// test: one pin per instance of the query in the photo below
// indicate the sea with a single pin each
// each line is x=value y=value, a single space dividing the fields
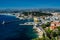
x=11 y=30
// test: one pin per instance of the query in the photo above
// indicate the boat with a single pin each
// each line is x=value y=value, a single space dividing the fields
x=3 y=22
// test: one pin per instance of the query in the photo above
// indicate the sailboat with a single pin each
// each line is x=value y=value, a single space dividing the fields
x=3 y=22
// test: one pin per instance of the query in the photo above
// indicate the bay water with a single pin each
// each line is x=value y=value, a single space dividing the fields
x=13 y=31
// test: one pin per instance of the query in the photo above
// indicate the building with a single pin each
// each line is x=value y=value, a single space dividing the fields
x=54 y=25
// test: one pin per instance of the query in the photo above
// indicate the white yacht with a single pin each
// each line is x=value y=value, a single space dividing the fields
x=3 y=22
x=28 y=23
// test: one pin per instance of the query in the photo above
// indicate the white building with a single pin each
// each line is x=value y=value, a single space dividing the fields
x=55 y=14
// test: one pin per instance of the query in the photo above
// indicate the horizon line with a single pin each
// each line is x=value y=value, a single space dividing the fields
x=29 y=8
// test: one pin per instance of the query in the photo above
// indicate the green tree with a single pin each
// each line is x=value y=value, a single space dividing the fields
x=43 y=26
x=48 y=32
x=47 y=24
x=58 y=30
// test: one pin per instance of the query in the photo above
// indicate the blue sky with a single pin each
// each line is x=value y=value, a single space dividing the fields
x=29 y=4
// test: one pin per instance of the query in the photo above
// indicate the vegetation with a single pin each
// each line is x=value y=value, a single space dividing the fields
x=36 y=13
x=51 y=34
x=45 y=25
